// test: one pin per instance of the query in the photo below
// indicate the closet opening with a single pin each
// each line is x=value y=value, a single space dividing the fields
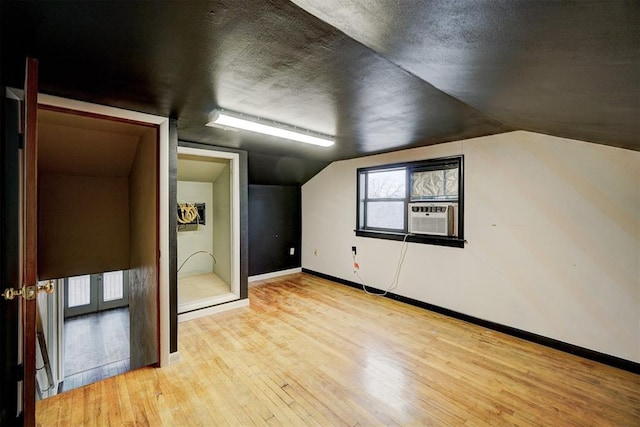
x=207 y=231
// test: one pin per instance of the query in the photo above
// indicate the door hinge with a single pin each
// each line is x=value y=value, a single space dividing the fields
x=22 y=108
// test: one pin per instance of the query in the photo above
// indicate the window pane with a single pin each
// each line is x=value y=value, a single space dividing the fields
x=386 y=184
x=79 y=291
x=361 y=191
x=435 y=185
x=385 y=215
x=112 y=286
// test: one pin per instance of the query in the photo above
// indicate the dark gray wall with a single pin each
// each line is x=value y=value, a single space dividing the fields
x=173 y=238
x=275 y=226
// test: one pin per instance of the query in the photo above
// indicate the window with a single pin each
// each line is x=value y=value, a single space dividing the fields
x=112 y=286
x=79 y=291
x=423 y=200
x=95 y=292
x=384 y=199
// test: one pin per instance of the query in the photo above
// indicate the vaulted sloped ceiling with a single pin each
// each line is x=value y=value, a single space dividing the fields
x=380 y=75
x=564 y=68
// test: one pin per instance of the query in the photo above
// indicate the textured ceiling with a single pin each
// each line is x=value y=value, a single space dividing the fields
x=380 y=75
x=565 y=68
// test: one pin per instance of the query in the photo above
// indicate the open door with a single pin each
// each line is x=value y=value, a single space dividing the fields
x=30 y=262
x=19 y=230
x=21 y=266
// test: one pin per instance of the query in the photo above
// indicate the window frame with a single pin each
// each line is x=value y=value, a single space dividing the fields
x=409 y=167
x=384 y=199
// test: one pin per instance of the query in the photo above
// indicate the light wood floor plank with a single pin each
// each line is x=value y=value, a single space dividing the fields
x=311 y=352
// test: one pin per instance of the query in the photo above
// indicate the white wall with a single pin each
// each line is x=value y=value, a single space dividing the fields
x=48 y=313
x=553 y=231
x=194 y=239
x=222 y=224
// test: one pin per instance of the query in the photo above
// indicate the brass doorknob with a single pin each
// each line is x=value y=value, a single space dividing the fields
x=48 y=287
x=29 y=292
x=11 y=293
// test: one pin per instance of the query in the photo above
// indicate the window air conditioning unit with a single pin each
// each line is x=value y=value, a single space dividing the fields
x=429 y=218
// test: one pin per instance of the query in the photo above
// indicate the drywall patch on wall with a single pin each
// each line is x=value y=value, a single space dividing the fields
x=553 y=230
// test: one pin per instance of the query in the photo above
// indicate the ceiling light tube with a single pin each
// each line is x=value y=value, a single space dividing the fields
x=223 y=118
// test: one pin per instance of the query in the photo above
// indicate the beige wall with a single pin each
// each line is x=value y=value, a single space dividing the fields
x=83 y=225
x=222 y=224
x=193 y=239
x=553 y=231
x=143 y=276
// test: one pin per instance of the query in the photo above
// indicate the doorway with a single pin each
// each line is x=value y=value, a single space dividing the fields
x=207 y=230
x=98 y=236
x=96 y=328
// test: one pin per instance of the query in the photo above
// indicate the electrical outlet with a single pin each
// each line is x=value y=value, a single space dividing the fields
x=292 y=251
x=353 y=250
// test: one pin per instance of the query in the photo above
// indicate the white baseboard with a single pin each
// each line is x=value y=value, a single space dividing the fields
x=274 y=274
x=174 y=358
x=213 y=310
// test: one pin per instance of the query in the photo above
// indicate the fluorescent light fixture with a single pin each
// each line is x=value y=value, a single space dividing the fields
x=223 y=118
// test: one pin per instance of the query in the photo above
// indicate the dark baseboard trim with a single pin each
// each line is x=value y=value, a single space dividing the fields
x=586 y=353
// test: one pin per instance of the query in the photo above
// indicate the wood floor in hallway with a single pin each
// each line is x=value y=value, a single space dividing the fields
x=96 y=347
x=311 y=352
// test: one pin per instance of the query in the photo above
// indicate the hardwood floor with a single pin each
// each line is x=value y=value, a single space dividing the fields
x=96 y=347
x=311 y=352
